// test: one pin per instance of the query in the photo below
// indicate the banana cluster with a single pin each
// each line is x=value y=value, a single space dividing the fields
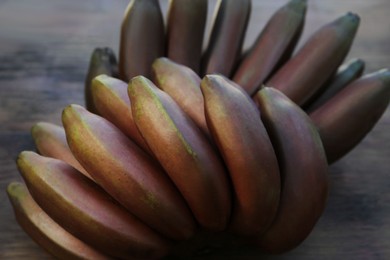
x=179 y=149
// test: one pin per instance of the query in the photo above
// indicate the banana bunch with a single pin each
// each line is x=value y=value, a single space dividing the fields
x=179 y=149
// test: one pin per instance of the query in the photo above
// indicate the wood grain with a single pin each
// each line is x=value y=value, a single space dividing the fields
x=44 y=53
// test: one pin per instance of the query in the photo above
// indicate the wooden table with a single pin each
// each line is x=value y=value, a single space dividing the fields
x=44 y=51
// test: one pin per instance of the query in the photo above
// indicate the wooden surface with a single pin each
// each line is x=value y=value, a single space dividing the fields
x=44 y=51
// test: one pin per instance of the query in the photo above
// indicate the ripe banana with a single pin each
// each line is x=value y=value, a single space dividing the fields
x=91 y=214
x=185 y=30
x=274 y=44
x=227 y=37
x=142 y=38
x=215 y=160
x=346 y=118
x=50 y=141
x=303 y=75
x=184 y=152
x=127 y=173
x=112 y=102
x=102 y=61
x=303 y=169
x=183 y=85
x=347 y=73
x=235 y=125
x=44 y=231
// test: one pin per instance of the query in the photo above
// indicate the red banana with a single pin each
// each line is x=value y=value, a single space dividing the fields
x=112 y=102
x=44 y=231
x=235 y=125
x=184 y=152
x=345 y=119
x=102 y=61
x=347 y=73
x=50 y=141
x=303 y=170
x=227 y=37
x=127 y=173
x=142 y=38
x=183 y=85
x=185 y=30
x=276 y=41
x=86 y=211
x=304 y=74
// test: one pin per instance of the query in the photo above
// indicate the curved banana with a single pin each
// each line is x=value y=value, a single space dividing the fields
x=50 y=140
x=347 y=73
x=304 y=74
x=142 y=38
x=184 y=152
x=235 y=125
x=227 y=36
x=185 y=30
x=346 y=118
x=91 y=214
x=44 y=231
x=127 y=173
x=102 y=61
x=112 y=102
x=303 y=169
x=275 y=43
x=183 y=85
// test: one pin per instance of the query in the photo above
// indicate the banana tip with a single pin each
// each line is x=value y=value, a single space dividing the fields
x=211 y=80
x=21 y=158
x=385 y=70
x=15 y=188
x=385 y=76
x=160 y=66
x=140 y=84
x=104 y=54
x=69 y=111
x=36 y=128
x=161 y=61
x=139 y=78
x=353 y=17
x=297 y=5
x=99 y=81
